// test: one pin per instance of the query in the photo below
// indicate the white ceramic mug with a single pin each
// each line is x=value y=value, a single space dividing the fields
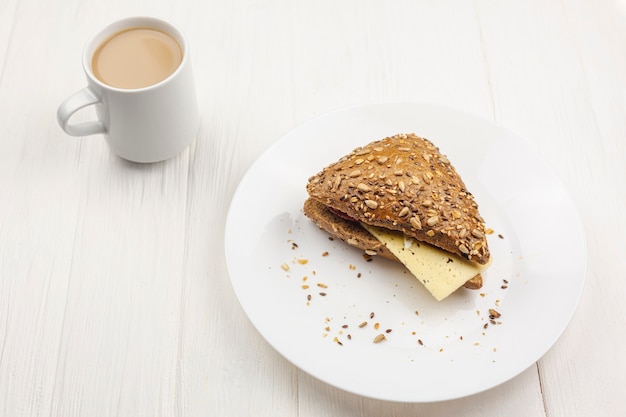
x=146 y=124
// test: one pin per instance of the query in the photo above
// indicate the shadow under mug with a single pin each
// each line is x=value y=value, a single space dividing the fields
x=148 y=124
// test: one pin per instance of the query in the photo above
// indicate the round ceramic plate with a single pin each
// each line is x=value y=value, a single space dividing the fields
x=321 y=304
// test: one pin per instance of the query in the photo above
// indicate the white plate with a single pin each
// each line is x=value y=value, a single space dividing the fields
x=541 y=254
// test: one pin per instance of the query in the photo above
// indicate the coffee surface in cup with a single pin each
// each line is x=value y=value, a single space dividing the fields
x=136 y=58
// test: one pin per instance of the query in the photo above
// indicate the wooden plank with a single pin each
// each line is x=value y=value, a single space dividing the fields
x=246 y=102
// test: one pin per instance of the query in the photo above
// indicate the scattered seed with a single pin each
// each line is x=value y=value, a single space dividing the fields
x=371 y=315
x=319 y=284
x=323 y=294
x=388 y=331
x=419 y=341
x=379 y=338
x=363 y=324
x=285 y=267
x=494 y=313
x=376 y=326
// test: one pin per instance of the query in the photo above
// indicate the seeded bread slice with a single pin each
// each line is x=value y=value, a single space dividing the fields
x=404 y=183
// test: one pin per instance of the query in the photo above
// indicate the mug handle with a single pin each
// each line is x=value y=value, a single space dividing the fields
x=83 y=98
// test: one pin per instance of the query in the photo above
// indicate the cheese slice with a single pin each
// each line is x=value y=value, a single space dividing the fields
x=441 y=272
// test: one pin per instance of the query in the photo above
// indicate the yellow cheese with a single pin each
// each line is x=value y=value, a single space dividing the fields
x=441 y=272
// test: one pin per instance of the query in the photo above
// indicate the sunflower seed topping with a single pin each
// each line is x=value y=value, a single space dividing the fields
x=371 y=204
x=363 y=187
x=432 y=221
x=404 y=212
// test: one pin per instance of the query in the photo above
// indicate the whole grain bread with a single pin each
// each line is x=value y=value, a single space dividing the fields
x=404 y=183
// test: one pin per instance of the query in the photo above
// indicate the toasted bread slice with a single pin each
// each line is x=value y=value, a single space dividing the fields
x=404 y=183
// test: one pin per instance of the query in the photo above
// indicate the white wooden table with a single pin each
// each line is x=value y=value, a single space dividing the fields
x=114 y=293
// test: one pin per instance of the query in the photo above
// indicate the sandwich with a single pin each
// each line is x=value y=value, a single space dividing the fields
x=401 y=199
